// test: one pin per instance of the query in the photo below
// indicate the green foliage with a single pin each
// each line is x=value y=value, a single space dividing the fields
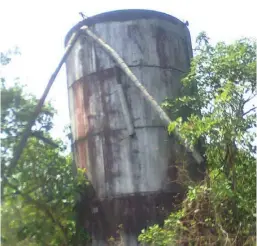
x=38 y=201
x=166 y=235
x=218 y=93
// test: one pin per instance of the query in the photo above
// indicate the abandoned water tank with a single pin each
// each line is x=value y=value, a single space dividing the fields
x=157 y=48
x=134 y=176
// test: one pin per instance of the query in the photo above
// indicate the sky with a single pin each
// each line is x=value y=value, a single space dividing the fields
x=38 y=28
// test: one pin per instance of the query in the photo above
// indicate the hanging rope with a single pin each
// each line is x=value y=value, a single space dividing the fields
x=121 y=63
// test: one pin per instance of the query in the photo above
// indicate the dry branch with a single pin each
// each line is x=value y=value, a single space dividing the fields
x=27 y=131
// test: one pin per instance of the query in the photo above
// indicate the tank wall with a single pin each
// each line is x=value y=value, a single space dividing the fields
x=158 y=53
x=139 y=42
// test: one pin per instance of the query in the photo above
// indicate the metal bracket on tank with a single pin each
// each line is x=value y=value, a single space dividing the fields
x=124 y=104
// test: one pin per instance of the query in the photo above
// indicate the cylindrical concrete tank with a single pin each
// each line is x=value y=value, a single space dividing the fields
x=157 y=48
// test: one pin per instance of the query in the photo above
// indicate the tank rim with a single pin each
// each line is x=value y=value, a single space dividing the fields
x=122 y=15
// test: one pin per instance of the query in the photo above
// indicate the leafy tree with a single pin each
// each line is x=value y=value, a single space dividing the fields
x=219 y=91
x=38 y=199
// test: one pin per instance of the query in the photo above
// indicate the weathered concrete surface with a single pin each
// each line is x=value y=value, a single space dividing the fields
x=158 y=51
x=124 y=164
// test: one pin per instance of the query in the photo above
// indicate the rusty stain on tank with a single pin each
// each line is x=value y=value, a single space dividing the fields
x=107 y=147
x=160 y=47
x=79 y=109
x=136 y=35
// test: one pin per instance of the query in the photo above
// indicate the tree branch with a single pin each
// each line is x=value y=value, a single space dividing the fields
x=41 y=207
x=27 y=131
x=249 y=99
x=39 y=135
x=247 y=112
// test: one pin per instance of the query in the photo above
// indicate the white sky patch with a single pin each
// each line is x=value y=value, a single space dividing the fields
x=38 y=28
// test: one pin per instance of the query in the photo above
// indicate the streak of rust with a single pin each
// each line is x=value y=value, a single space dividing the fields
x=100 y=77
x=79 y=122
x=91 y=145
x=136 y=35
x=79 y=109
x=83 y=91
x=161 y=39
x=81 y=153
x=107 y=146
x=188 y=57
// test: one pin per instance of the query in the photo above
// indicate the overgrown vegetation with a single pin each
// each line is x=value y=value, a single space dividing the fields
x=219 y=90
x=38 y=198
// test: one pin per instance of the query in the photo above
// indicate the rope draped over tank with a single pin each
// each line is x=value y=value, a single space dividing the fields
x=84 y=30
x=124 y=67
